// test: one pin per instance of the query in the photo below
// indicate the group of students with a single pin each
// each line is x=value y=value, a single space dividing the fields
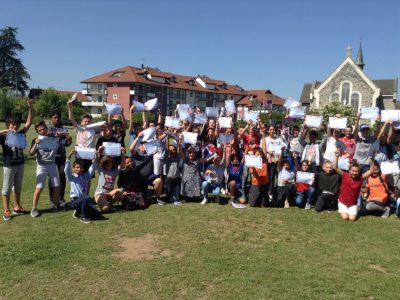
x=210 y=165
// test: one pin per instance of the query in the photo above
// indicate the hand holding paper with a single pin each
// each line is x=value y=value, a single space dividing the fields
x=112 y=149
x=225 y=122
x=230 y=106
x=139 y=106
x=114 y=109
x=200 y=118
x=390 y=115
x=305 y=177
x=172 y=122
x=151 y=104
x=313 y=121
x=390 y=167
x=337 y=123
x=85 y=153
x=297 y=112
x=212 y=112
x=343 y=163
x=369 y=113
x=189 y=137
x=253 y=161
x=251 y=116
x=148 y=133
x=15 y=139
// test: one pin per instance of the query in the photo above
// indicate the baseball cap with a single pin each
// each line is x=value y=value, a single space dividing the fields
x=364 y=126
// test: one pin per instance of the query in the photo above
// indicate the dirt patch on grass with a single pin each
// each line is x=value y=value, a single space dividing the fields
x=142 y=248
x=378 y=268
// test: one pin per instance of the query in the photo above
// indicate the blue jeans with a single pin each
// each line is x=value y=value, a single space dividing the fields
x=85 y=208
x=206 y=187
x=301 y=195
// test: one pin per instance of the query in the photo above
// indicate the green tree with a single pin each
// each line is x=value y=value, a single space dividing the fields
x=13 y=73
x=8 y=104
x=49 y=100
x=335 y=108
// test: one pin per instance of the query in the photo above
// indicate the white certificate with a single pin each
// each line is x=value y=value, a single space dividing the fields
x=251 y=115
x=152 y=147
x=305 y=177
x=85 y=153
x=113 y=109
x=225 y=122
x=291 y=103
x=151 y=104
x=200 y=118
x=190 y=137
x=313 y=121
x=230 y=106
x=369 y=113
x=212 y=112
x=183 y=106
x=338 y=123
x=286 y=175
x=139 y=106
x=297 y=112
x=148 y=133
x=276 y=148
x=48 y=143
x=184 y=115
x=390 y=115
x=253 y=161
x=343 y=163
x=390 y=167
x=112 y=149
x=225 y=138
x=172 y=122
x=15 y=139
x=95 y=126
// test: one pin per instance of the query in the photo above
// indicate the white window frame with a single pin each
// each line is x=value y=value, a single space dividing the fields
x=359 y=99
x=115 y=96
x=350 y=91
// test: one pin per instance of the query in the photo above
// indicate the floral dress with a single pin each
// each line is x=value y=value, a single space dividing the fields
x=191 y=180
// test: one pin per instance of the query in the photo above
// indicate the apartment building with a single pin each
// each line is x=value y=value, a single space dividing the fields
x=129 y=83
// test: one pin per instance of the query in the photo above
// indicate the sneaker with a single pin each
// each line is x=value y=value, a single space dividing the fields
x=34 y=213
x=286 y=204
x=18 y=212
x=205 y=200
x=160 y=202
x=75 y=214
x=386 y=212
x=270 y=196
x=308 y=206
x=177 y=203
x=85 y=220
x=7 y=215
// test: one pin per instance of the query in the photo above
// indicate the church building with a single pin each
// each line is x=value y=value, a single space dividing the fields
x=349 y=84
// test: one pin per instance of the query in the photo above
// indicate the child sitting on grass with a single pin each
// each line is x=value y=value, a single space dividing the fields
x=79 y=180
x=328 y=186
x=13 y=165
x=46 y=167
x=350 y=189
x=377 y=189
x=304 y=190
x=105 y=194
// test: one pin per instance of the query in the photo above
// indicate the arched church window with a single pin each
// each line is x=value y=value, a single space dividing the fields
x=355 y=99
x=345 y=92
x=335 y=97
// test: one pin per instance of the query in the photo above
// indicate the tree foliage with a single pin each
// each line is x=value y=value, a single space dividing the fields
x=333 y=109
x=13 y=73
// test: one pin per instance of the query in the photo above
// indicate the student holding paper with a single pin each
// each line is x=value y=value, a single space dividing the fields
x=106 y=136
x=79 y=197
x=173 y=172
x=118 y=128
x=349 y=143
x=134 y=128
x=259 y=180
x=85 y=137
x=350 y=189
x=286 y=188
x=46 y=167
x=65 y=140
x=252 y=139
x=105 y=194
x=331 y=143
x=312 y=152
x=378 y=191
x=304 y=190
x=382 y=150
x=214 y=176
x=13 y=165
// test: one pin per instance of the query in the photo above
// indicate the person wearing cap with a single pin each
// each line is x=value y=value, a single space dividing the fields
x=363 y=145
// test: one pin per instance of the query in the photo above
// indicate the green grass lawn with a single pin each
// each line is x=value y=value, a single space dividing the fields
x=194 y=251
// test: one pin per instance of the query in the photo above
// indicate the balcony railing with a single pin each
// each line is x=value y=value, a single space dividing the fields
x=94 y=91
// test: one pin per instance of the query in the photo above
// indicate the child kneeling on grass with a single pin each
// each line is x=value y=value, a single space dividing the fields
x=105 y=194
x=350 y=189
x=79 y=181
x=328 y=186
x=378 y=192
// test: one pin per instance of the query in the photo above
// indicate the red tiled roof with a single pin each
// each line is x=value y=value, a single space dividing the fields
x=136 y=75
x=261 y=96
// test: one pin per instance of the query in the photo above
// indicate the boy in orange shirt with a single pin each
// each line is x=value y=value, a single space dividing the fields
x=259 y=181
x=378 y=192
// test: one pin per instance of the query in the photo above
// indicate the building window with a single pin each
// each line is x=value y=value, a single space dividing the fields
x=191 y=94
x=117 y=74
x=335 y=97
x=355 y=100
x=115 y=84
x=346 y=93
x=115 y=96
x=99 y=111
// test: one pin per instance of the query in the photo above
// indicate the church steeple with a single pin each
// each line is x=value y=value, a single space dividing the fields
x=360 y=60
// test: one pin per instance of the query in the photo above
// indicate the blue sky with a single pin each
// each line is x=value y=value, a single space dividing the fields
x=279 y=45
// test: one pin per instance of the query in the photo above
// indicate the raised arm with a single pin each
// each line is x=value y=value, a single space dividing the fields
x=122 y=164
x=131 y=112
x=144 y=119
x=159 y=119
x=264 y=144
x=383 y=129
x=33 y=149
x=355 y=132
x=132 y=148
x=369 y=172
x=296 y=161
x=335 y=164
x=28 y=122
x=391 y=135
x=181 y=153
x=280 y=159
x=123 y=120
x=71 y=115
